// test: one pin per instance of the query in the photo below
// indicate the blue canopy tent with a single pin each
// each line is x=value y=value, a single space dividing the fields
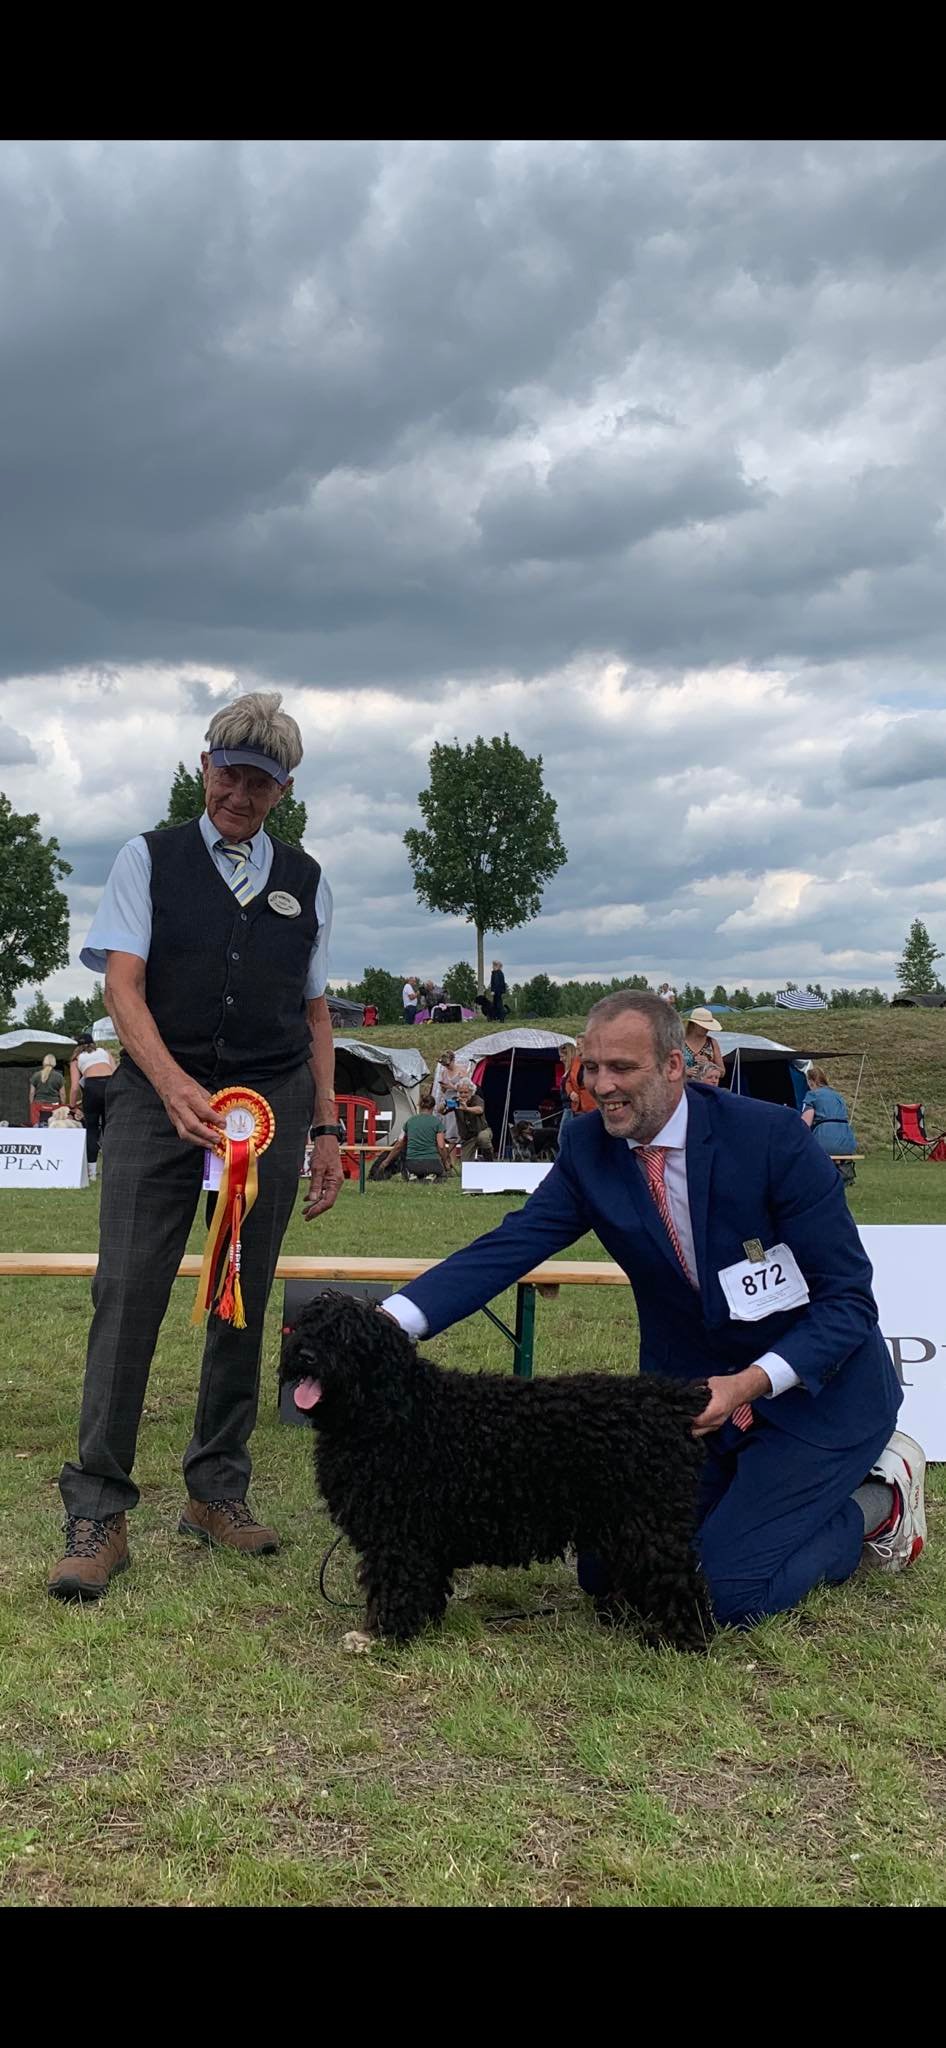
x=770 y=1071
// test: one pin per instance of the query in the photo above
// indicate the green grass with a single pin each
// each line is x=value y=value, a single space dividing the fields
x=200 y=1738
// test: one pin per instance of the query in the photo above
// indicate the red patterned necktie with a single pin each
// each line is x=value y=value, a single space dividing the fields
x=654 y=1161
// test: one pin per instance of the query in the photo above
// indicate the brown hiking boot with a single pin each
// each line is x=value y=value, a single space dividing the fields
x=95 y=1551
x=228 y=1522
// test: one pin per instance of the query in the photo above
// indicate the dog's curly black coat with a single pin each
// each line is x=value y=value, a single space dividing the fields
x=427 y=1472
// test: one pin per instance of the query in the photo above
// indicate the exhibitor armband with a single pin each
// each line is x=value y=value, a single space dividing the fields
x=324 y=1131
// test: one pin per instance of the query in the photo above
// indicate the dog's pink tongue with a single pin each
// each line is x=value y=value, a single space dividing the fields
x=307 y=1393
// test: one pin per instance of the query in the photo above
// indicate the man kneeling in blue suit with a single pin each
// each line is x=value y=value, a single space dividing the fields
x=733 y=1229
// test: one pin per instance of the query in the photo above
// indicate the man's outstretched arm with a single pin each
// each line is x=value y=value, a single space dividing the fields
x=555 y=1216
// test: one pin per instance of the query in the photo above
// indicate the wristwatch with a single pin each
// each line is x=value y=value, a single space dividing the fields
x=324 y=1131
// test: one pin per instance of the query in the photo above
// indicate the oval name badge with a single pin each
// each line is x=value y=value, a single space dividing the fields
x=286 y=905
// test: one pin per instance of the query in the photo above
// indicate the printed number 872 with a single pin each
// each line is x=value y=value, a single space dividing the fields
x=750 y=1280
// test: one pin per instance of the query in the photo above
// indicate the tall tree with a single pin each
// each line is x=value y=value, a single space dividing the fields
x=34 y=913
x=539 y=997
x=77 y=1016
x=186 y=800
x=38 y=1015
x=916 y=970
x=491 y=840
x=382 y=989
x=459 y=984
x=287 y=820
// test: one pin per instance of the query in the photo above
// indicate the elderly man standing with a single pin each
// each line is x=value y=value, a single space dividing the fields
x=213 y=939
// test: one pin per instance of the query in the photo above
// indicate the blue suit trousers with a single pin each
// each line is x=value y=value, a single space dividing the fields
x=774 y=1520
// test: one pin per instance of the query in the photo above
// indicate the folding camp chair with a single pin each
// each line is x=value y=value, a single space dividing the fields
x=909 y=1132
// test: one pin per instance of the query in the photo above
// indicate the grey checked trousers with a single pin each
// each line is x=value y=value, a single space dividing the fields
x=150 y=1192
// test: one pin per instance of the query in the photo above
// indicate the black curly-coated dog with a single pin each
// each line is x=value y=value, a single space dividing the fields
x=427 y=1472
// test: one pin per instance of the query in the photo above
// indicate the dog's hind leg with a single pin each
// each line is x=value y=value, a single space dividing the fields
x=404 y=1594
x=659 y=1589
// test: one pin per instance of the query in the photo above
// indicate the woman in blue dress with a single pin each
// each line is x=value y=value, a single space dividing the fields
x=826 y=1113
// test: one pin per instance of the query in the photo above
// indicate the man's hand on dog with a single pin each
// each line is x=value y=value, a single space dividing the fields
x=727 y=1394
x=325 y=1177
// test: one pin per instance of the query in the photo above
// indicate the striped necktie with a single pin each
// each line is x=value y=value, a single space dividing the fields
x=240 y=877
x=654 y=1161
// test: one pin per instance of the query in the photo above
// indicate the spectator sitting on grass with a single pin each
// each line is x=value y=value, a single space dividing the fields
x=424 y=1153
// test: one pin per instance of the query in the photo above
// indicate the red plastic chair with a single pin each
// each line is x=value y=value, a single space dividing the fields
x=909 y=1132
x=359 y=1130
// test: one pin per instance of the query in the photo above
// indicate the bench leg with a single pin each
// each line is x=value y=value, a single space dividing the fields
x=524 y=1341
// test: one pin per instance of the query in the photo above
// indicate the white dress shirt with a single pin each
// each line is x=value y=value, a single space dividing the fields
x=122 y=922
x=673 y=1138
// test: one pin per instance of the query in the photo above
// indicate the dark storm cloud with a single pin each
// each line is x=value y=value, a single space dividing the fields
x=310 y=408
x=14 y=747
x=633 y=450
x=910 y=750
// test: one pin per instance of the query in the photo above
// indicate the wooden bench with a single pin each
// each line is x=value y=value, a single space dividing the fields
x=543 y=1280
x=362 y=1151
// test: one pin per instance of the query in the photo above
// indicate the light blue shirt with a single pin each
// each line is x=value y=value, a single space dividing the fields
x=122 y=922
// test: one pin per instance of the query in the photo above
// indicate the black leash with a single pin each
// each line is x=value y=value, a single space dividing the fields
x=490 y=1621
x=323 y=1589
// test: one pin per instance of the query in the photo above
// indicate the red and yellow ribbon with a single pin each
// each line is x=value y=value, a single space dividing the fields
x=249 y=1129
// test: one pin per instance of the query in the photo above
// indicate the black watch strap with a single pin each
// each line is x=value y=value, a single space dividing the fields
x=324 y=1131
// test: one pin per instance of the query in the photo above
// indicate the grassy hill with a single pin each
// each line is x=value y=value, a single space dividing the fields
x=905 y=1054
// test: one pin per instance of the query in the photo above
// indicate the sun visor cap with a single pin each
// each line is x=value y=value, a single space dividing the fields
x=247 y=757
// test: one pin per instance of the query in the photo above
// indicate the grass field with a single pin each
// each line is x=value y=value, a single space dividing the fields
x=199 y=1737
x=906 y=1054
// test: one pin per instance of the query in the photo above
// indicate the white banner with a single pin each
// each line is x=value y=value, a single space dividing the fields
x=501 y=1176
x=909 y=1261
x=42 y=1158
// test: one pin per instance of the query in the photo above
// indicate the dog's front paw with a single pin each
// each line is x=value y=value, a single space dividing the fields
x=357 y=1642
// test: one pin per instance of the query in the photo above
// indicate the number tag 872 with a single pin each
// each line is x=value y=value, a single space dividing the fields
x=755 y=1288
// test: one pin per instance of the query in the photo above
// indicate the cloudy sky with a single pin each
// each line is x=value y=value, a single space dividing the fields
x=633 y=450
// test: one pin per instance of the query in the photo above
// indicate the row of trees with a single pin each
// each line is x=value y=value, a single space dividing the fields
x=77 y=1015
x=489 y=843
x=543 y=997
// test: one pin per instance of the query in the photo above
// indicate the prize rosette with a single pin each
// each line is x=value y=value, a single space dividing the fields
x=250 y=1127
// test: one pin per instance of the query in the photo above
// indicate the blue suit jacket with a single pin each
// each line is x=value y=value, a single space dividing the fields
x=753 y=1171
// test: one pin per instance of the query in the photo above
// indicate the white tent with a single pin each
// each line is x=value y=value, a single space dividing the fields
x=104 y=1032
x=21 y=1052
x=523 y=1038
x=389 y=1075
x=523 y=1041
x=28 y=1048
